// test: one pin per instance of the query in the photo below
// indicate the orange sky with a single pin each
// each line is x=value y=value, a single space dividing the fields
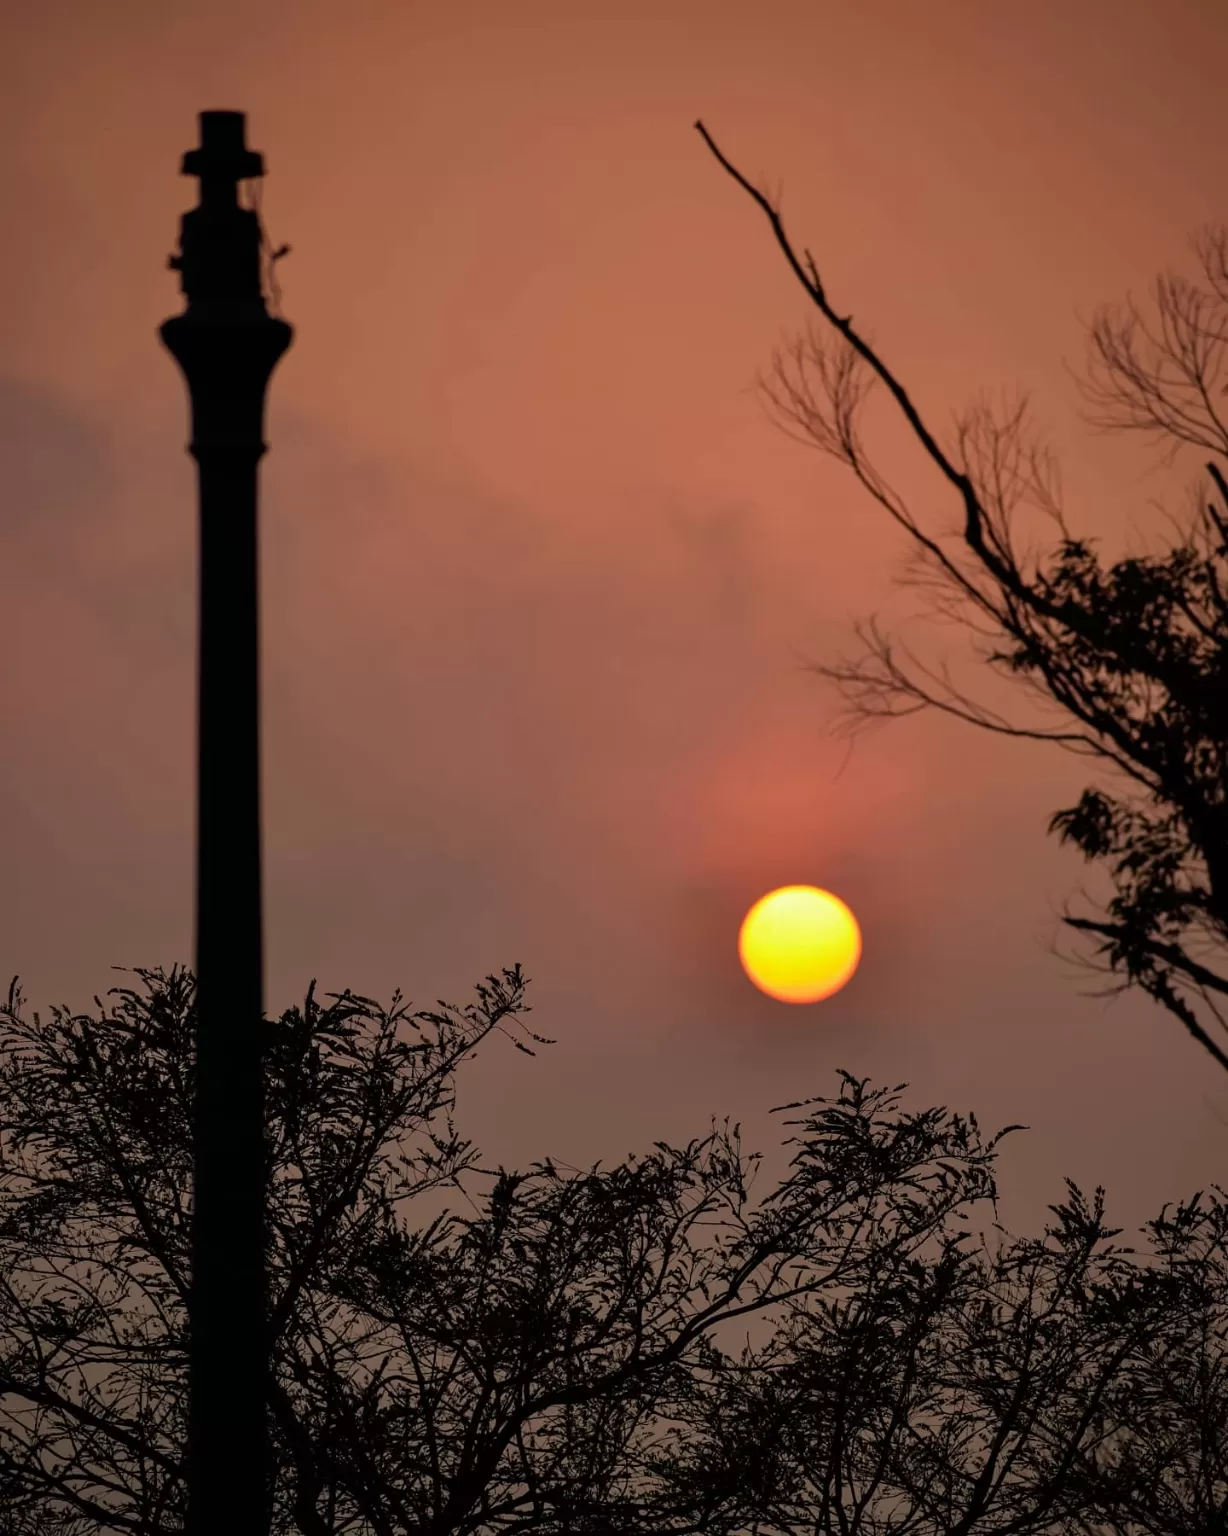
x=539 y=574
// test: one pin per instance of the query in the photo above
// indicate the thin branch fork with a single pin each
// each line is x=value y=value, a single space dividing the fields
x=808 y=276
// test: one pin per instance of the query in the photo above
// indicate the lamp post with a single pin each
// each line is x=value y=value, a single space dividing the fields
x=227 y=345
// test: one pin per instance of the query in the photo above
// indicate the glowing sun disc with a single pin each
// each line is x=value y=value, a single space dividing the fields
x=799 y=944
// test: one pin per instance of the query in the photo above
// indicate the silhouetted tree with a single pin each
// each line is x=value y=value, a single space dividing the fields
x=972 y=1392
x=1163 y=1471
x=1129 y=658
x=433 y=1373
x=551 y=1356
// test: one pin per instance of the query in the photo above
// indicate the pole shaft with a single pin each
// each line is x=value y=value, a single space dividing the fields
x=227 y=1437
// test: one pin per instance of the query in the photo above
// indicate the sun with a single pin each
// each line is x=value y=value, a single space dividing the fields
x=799 y=944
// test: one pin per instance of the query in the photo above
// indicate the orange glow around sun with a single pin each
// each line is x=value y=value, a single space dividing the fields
x=799 y=944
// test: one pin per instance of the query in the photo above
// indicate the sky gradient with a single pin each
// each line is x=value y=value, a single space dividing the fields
x=541 y=578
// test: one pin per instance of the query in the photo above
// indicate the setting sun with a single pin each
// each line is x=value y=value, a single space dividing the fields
x=799 y=944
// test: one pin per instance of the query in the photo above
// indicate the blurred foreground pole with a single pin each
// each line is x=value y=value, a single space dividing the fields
x=227 y=345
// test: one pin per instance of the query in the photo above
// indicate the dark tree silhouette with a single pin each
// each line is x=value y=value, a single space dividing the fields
x=433 y=1372
x=971 y=1389
x=1164 y=1469
x=1128 y=660
x=554 y=1355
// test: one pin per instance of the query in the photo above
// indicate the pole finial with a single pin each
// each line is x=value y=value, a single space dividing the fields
x=223 y=150
x=219 y=241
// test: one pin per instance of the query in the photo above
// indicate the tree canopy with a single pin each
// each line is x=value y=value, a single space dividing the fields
x=1127 y=658
x=467 y=1349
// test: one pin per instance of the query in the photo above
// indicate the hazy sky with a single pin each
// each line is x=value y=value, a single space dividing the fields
x=540 y=576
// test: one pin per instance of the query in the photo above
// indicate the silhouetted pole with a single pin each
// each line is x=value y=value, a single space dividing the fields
x=227 y=345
